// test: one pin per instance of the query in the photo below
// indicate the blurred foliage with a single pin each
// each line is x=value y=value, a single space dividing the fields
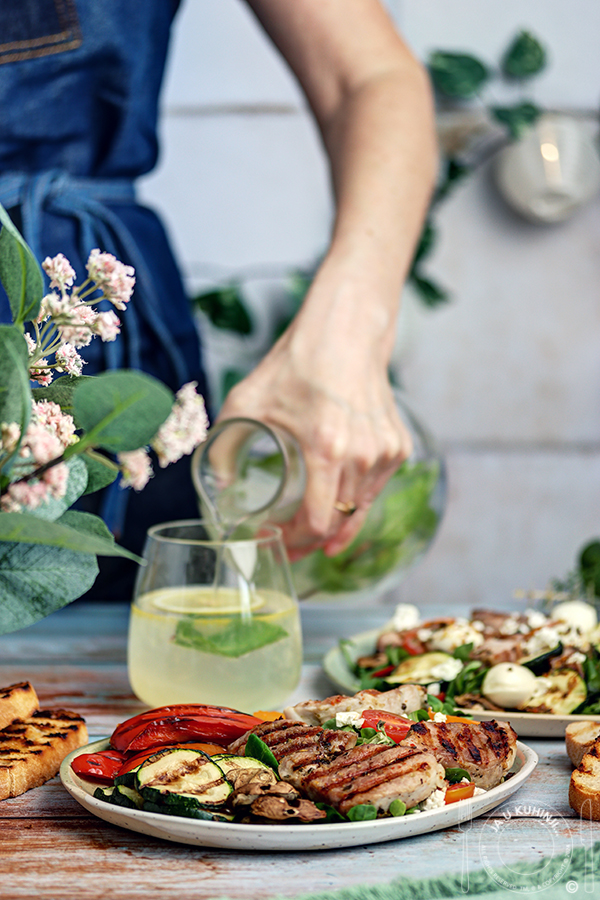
x=458 y=79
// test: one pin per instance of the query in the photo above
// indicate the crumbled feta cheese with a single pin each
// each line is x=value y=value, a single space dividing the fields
x=541 y=641
x=455 y=635
x=434 y=801
x=440 y=717
x=577 y=658
x=424 y=634
x=405 y=616
x=535 y=618
x=478 y=791
x=571 y=636
x=435 y=689
x=477 y=625
x=447 y=670
x=349 y=718
x=510 y=626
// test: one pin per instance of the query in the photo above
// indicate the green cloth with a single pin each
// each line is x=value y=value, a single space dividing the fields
x=546 y=879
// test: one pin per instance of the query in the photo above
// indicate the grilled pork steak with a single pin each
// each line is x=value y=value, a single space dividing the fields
x=401 y=700
x=284 y=737
x=486 y=750
x=392 y=773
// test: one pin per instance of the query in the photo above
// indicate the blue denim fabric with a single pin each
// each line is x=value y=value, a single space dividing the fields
x=79 y=90
x=77 y=127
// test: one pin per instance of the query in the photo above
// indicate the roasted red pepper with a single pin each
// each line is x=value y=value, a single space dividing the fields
x=102 y=766
x=177 y=724
x=396 y=727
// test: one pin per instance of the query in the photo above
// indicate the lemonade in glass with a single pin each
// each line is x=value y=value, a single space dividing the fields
x=214 y=621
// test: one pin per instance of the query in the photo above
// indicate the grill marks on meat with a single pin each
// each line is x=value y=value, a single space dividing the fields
x=326 y=765
x=486 y=750
x=283 y=737
x=379 y=777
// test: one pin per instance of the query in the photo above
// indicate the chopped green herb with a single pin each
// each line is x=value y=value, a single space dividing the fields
x=397 y=808
x=362 y=813
x=257 y=749
x=237 y=639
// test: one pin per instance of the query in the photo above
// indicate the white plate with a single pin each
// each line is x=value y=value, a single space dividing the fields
x=291 y=837
x=525 y=724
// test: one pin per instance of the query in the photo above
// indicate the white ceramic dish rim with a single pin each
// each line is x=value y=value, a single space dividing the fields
x=525 y=724
x=288 y=837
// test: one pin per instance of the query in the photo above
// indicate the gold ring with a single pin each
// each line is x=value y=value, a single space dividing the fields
x=346 y=508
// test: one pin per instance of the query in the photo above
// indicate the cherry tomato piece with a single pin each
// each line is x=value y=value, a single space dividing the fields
x=396 y=727
x=459 y=791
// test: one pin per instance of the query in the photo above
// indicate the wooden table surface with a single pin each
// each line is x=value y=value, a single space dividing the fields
x=50 y=847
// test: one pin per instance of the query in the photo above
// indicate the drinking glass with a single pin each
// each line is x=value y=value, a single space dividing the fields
x=214 y=621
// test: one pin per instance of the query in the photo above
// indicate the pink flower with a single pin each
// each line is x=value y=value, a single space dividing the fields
x=114 y=279
x=24 y=494
x=77 y=329
x=31 y=344
x=60 y=272
x=41 y=373
x=44 y=445
x=51 y=415
x=51 y=305
x=184 y=429
x=107 y=325
x=56 y=480
x=68 y=360
x=136 y=468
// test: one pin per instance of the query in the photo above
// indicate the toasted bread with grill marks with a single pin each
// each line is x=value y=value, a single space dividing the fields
x=17 y=701
x=32 y=749
x=584 y=787
x=579 y=738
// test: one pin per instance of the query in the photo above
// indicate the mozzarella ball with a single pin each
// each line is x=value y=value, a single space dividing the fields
x=509 y=685
x=577 y=613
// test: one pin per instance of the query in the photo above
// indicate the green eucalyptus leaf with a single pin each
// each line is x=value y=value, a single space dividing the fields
x=525 y=57
x=589 y=566
x=426 y=242
x=78 y=531
x=120 y=410
x=37 y=579
x=61 y=391
x=100 y=470
x=15 y=394
x=457 y=75
x=225 y=308
x=430 y=293
x=20 y=273
x=517 y=118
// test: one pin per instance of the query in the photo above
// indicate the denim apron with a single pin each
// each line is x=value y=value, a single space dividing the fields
x=79 y=89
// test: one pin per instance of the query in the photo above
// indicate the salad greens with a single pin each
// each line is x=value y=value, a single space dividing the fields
x=400 y=525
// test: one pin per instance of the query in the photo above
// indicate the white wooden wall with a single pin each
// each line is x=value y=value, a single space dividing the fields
x=507 y=375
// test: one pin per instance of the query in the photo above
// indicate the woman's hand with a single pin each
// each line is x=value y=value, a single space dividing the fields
x=326 y=382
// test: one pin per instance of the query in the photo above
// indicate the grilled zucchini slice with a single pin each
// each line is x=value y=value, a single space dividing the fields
x=241 y=769
x=183 y=779
x=419 y=669
x=557 y=692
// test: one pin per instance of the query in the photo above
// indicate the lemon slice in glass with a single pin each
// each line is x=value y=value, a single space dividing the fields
x=203 y=601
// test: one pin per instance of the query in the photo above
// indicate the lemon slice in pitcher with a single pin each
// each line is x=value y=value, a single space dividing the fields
x=203 y=601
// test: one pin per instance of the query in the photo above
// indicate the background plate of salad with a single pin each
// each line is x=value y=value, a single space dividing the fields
x=338 y=666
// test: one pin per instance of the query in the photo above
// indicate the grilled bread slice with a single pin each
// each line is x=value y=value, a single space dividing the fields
x=17 y=701
x=584 y=788
x=32 y=749
x=579 y=737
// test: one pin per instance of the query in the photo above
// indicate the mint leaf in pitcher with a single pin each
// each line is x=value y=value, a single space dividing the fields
x=237 y=639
